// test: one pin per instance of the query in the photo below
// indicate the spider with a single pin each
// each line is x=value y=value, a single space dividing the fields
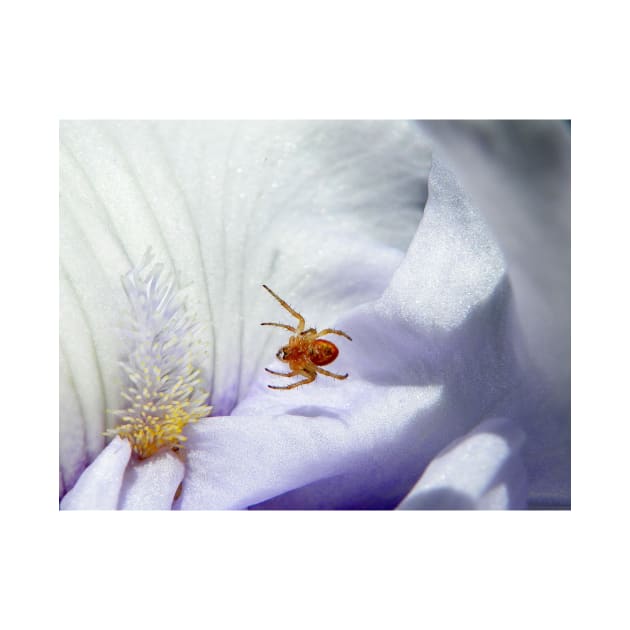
x=306 y=352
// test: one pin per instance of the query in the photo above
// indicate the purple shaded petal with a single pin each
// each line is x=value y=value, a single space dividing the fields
x=518 y=173
x=426 y=360
x=98 y=488
x=239 y=461
x=482 y=470
x=152 y=483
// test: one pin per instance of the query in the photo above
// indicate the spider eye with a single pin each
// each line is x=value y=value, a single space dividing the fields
x=281 y=354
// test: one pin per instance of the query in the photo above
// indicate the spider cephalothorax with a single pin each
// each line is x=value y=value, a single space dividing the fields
x=305 y=353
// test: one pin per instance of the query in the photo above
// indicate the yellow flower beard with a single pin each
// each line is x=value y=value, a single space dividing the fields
x=160 y=407
x=162 y=385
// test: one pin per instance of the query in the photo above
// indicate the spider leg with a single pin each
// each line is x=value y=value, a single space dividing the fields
x=295 y=314
x=310 y=377
x=327 y=373
x=279 y=326
x=281 y=373
x=332 y=331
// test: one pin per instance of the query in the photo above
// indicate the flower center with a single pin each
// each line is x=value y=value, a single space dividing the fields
x=163 y=389
x=159 y=409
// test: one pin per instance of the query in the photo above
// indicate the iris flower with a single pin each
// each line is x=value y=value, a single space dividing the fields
x=442 y=249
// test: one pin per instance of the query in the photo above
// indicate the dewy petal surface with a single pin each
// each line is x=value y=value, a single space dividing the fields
x=99 y=486
x=151 y=484
x=322 y=212
x=482 y=470
x=519 y=175
x=114 y=481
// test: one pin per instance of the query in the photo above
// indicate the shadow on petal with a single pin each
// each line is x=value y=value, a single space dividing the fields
x=485 y=466
x=313 y=411
x=440 y=499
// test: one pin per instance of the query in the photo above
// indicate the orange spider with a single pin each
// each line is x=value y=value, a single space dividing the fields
x=306 y=352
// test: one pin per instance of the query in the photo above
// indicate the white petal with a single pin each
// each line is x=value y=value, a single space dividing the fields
x=482 y=470
x=518 y=173
x=99 y=486
x=72 y=452
x=152 y=483
x=321 y=212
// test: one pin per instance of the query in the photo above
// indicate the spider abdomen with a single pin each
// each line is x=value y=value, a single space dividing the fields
x=323 y=352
